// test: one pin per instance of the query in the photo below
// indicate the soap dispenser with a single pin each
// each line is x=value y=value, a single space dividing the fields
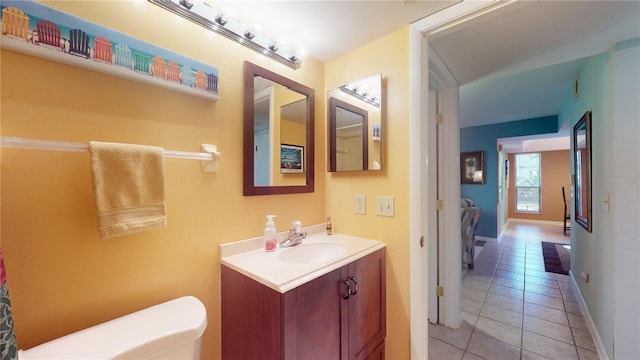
x=270 y=234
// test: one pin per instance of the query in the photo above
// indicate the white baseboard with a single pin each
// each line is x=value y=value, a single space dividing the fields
x=549 y=222
x=485 y=238
x=602 y=353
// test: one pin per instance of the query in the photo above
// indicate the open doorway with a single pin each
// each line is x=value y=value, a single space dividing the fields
x=534 y=171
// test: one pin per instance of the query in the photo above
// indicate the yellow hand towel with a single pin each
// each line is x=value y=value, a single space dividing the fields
x=128 y=185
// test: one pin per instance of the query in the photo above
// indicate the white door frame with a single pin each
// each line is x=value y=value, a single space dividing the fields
x=421 y=174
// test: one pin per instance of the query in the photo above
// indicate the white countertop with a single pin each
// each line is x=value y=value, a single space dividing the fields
x=270 y=270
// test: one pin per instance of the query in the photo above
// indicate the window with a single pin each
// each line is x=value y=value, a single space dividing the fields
x=528 y=183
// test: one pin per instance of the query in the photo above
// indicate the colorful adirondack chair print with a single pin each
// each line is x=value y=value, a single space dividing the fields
x=212 y=83
x=15 y=23
x=141 y=61
x=187 y=77
x=79 y=43
x=53 y=32
x=102 y=49
x=123 y=56
x=201 y=80
x=173 y=71
x=159 y=68
x=49 y=34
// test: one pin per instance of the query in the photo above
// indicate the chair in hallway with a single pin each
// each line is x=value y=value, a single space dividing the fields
x=567 y=213
x=470 y=216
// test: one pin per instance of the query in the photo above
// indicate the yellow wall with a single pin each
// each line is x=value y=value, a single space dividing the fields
x=555 y=169
x=389 y=56
x=62 y=277
x=286 y=131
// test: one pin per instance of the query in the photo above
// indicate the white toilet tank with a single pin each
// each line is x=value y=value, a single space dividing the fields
x=171 y=330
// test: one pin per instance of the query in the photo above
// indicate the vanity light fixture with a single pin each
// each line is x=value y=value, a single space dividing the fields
x=207 y=16
x=361 y=93
x=221 y=20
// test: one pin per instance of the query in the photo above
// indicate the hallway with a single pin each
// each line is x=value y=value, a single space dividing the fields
x=512 y=308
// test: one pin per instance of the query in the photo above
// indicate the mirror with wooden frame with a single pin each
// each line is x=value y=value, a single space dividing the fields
x=355 y=126
x=278 y=144
x=582 y=171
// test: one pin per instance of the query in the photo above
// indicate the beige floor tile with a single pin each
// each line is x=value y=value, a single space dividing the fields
x=471 y=306
x=458 y=337
x=474 y=294
x=528 y=355
x=513 y=308
x=585 y=354
x=506 y=291
x=509 y=275
x=512 y=257
x=577 y=321
x=572 y=307
x=543 y=300
x=564 y=285
x=471 y=282
x=498 y=330
x=469 y=320
x=478 y=276
x=536 y=280
x=539 y=273
x=504 y=302
x=543 y=312
x=493 y=349
x=543 y=290
x=548 y=328
x=511 y=260
x=584 y=339
x=470 y=356
x=548 y=347
x=568 y=295
x=497 y=313
x=439 y=350
x=516 y=284
x=511 y=268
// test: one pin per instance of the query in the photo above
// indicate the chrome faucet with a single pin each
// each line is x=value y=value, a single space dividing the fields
x=296 y=235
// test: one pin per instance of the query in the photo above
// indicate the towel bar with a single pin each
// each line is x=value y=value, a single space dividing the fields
x=208 y=157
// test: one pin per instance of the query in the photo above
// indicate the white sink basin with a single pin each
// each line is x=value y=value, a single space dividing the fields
x=313 y=253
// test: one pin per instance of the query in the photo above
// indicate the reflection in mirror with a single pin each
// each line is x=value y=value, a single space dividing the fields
x=278 y=134
x=355 y=126
x=348 y=125
x=582 y=171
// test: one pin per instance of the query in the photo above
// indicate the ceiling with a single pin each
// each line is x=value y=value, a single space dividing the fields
x=516 y=63
x=329 y=28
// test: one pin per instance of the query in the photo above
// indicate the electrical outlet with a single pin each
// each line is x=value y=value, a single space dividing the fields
x=360 y=203
x=384 y=206
x=585 y=277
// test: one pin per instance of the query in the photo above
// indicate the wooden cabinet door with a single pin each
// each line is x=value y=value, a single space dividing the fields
x=367 y=308
x=250 y=317
x=313 y=318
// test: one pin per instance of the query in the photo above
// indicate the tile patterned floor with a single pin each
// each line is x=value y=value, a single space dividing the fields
x=512 y=308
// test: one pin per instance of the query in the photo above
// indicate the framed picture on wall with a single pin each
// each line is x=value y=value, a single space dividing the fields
x=291 y=159
x=472 y=167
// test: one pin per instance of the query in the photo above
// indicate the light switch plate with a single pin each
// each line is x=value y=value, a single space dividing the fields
x=360 y=203
x=385 y=206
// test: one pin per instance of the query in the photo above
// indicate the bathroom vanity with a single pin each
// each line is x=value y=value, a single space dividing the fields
x=323 y=299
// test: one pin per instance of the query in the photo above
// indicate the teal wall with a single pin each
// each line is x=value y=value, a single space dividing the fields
x=484 y=138
x=610 y=88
